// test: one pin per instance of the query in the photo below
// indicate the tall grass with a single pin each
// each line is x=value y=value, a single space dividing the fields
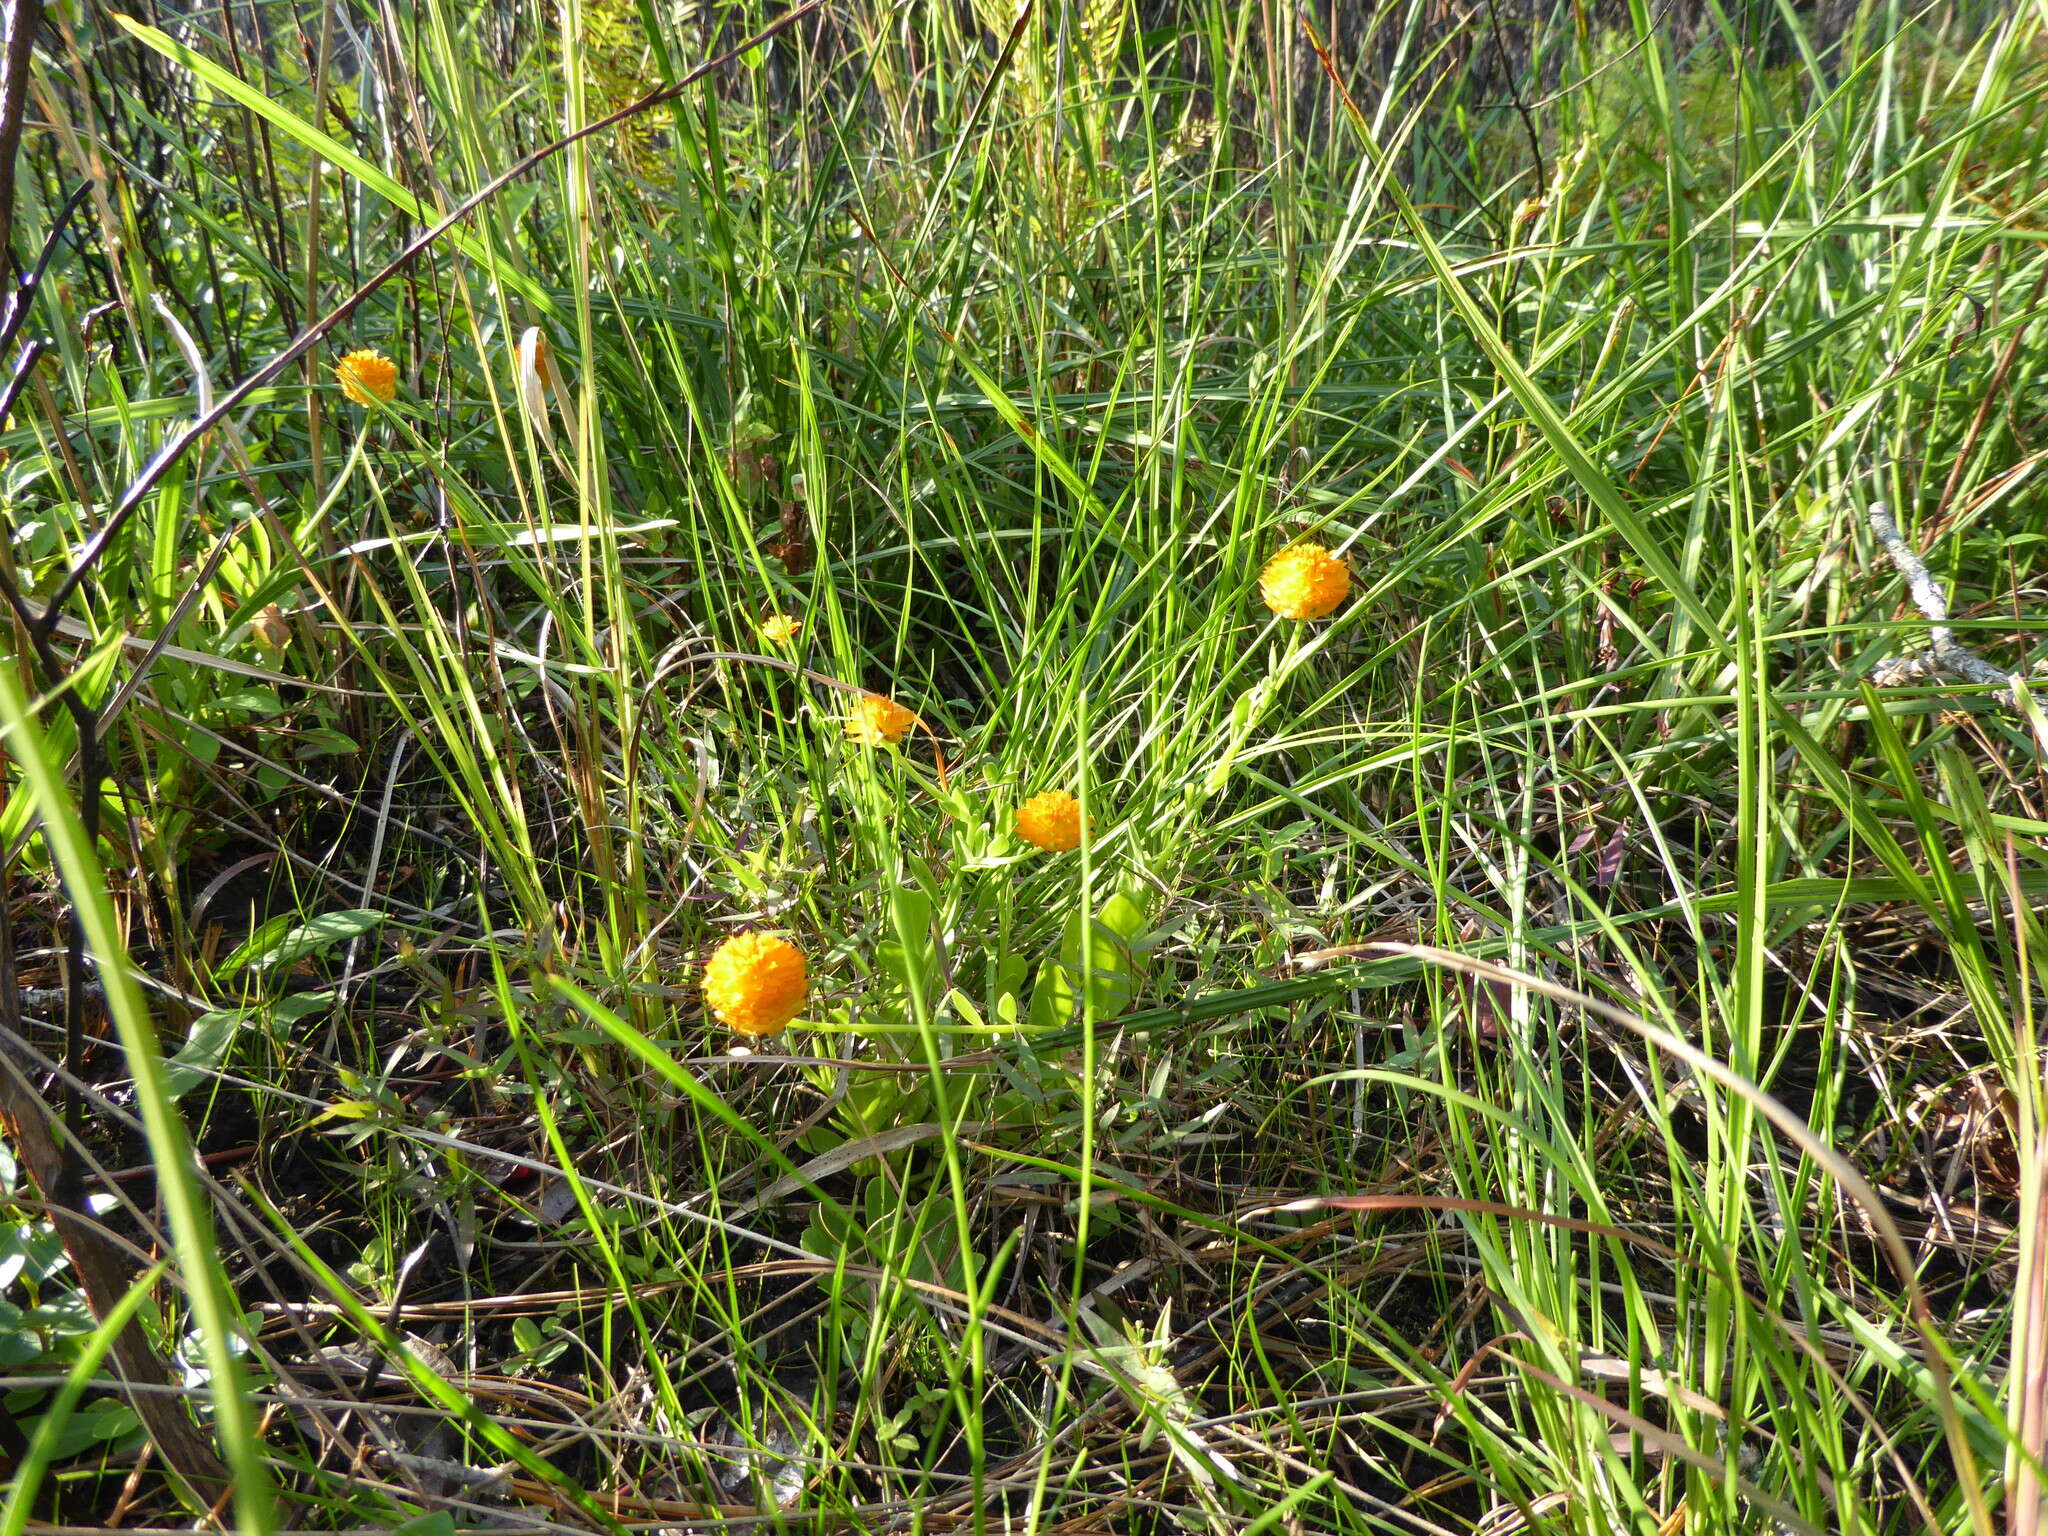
x=1657 y=991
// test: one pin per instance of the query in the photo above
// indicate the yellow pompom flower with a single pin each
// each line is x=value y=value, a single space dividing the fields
x=1304 y=582
x=878 y=722
x=1051 y=821
x=780 y=628
x=367 y=376
x=756 y=983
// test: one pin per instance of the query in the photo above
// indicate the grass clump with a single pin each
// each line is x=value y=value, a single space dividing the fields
x=1253 y=656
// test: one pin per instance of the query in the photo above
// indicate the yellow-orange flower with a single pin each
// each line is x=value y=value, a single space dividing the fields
x=780 y=628
x=756 y=983
x=1051 y=821
x=878 y=722
x=367 y=376
x=1305 y=582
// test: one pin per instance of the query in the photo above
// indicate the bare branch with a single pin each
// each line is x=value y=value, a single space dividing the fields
x=1946 y=656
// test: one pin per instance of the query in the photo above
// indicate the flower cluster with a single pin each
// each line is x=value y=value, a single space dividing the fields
x=756 y=983
x=367 y=376
x=1051 y=821
x=1305 y=581
x=878 y=721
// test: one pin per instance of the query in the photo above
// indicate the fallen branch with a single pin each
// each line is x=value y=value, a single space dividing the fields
x=41 y=1144
x=1946 y=656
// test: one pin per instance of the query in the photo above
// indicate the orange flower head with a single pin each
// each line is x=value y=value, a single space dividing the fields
x=780 y=628
x=878 y=722
x=367 y=376
x=1304 y=582
x=1051 y=821
x=756 y=983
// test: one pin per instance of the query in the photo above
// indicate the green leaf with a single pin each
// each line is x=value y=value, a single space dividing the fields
x=321 y=741
x=205 y=1048
x=300 y=1005
x=18 y=1346
x=910 y=911
x=893 y=963
x=268 y=947
x=348 y=1109
x=1122 y=916
x=1097 y=969
x=95 y=1424
x=909 y=956
x=249 y=701
x=262 y=937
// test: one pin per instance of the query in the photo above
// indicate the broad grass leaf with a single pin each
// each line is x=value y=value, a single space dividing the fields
x=275 y=943
x=205 y=1048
